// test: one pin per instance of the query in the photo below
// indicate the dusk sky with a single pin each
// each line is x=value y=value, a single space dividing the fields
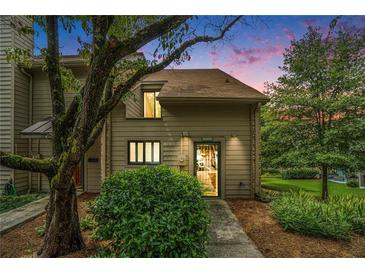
x=252 y=56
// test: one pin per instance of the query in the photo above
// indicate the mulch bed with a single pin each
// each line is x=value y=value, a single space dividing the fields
x=23 y=241
x=271 y=239
x=255 y=218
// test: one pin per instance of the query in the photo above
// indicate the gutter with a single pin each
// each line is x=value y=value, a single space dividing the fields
x=211 y=99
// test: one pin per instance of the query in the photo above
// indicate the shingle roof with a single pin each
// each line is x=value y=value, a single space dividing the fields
x=205 y=84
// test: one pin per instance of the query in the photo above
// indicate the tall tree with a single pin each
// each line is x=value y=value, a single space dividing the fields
x=316 y=116
x=111 y=74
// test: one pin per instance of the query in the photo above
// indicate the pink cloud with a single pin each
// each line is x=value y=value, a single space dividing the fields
x=255 y=55
x=289 y=34
x=257 y=39
x=214 y=55
x=249 y=65
x=309 y=22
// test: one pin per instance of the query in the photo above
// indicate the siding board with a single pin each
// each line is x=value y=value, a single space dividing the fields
x=6 y=95
x=206 y=121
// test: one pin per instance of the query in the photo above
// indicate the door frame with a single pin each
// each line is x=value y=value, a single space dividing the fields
x=218 y=143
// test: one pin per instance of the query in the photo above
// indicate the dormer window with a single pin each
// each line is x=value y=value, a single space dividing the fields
x=152 y=107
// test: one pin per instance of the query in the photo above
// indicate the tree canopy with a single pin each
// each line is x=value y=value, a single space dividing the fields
x=316 y=115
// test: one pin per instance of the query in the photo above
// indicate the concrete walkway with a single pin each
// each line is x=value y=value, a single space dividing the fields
x=20 y=215
x=226 y=237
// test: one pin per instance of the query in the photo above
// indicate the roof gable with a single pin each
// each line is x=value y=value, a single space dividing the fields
x=202 y=84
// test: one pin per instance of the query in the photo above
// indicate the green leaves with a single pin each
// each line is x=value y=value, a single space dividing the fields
x=299 y=173
x=336 y=218
x=152 y=212
x=19 y=56
x=316 y=115
x=69 y=82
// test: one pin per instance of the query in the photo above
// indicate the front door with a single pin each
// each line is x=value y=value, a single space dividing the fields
x=207 y=165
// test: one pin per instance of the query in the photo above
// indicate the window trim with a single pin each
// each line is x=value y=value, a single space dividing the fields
x=144 y=152
x=154 y=104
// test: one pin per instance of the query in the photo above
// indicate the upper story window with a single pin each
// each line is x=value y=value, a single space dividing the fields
x=152 y=107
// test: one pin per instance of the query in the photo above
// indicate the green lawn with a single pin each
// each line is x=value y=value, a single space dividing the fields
x=310 y=185
x=10 y=202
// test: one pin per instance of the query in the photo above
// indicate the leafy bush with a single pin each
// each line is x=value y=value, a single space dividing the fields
x=303 y=213
x=299 y=173
x=89 y=205
x=271 y=172
x=152 y=212
x=8 y=202
x=86 y=223
x=40 y=230
x=358 y=225
x=9 y=188
x=268 y=195
x=352 y=183
x=103 y=252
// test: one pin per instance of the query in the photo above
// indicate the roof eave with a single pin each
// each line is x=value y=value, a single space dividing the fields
x=211 y=99
x=68 y=62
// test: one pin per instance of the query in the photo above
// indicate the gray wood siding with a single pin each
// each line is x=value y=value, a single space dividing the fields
x=21 y=106
x=201 y=122
x=6 y=96
x=42 y=108
x=14 y=98
x=134 y=105
x=92 y=169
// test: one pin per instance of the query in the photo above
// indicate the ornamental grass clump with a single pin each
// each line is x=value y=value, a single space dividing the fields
x=152 y=212
x=336 y=218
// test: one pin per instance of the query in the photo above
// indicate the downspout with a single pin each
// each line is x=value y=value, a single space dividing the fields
x=12 y=98
x=258 y=149
x=109 y=146
x=39 y=186
x=30 y=120
x=252 y=150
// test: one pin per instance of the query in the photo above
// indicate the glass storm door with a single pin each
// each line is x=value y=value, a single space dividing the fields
x=207 y=167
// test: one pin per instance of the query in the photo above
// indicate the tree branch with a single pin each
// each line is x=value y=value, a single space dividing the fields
x=53 y=67
x=15 y=161
x=149 y=33
x=55 y=81
x=122 y=89
x=113 y=52
x=101 y=26
x=95 y=134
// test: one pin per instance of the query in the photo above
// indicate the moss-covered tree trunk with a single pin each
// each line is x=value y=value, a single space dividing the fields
x=63 y=233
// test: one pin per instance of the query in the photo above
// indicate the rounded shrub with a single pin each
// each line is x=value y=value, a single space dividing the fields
x=299 y=173
x=152 y=212
x=352 y=183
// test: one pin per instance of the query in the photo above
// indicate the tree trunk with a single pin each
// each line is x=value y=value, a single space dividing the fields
x=324 y=182
x=63 y=233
